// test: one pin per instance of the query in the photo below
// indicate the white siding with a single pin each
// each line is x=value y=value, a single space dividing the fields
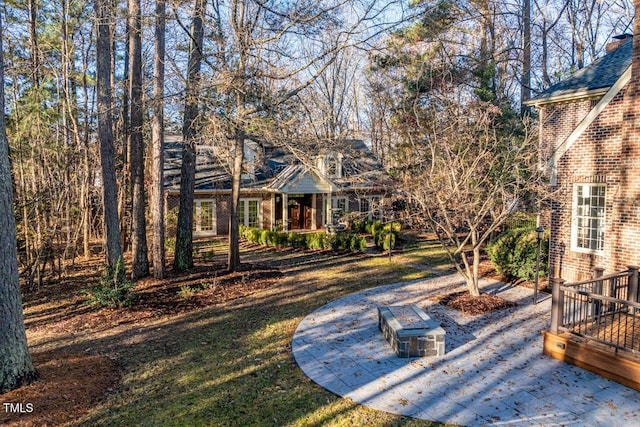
x=308 y=184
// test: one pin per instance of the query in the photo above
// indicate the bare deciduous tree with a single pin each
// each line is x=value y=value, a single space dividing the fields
x=259 y=66
x=464 y=173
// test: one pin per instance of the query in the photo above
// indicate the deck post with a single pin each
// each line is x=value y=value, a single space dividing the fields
x=557 y=304
x=597 y=289
x=633 y=286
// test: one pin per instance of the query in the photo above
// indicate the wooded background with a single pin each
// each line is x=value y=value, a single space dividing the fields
x=91 y=89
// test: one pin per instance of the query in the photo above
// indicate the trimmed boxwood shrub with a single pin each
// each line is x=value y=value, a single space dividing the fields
x=348 y=242
x=513 y=254
x=313 y=241
x=317 y=241
x=385 y=236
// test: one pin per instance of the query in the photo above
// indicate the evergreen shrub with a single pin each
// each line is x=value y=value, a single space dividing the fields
x=514 y=253
x=114 y=290
x=312 y=241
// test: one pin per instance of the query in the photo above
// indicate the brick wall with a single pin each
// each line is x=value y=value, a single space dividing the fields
x=608 y=152
x=562 y=118
x=223 y=202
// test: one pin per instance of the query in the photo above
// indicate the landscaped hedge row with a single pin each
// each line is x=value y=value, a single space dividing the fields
x=514 y=253
x=384 y=235
x=315 y=241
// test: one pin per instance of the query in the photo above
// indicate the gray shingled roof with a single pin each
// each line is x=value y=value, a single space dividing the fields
x=601 y=74
x=360 y=167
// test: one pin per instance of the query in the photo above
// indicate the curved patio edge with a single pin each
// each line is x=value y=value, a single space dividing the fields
x=493 y=372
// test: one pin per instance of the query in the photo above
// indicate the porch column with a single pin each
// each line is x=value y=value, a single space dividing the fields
x=285 y=212
x=272 y=215
x=314 y=226
x=328 y=217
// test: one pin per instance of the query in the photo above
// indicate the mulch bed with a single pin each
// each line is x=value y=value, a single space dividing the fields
x=154 y=299
x=465 y=303
x=70 y=384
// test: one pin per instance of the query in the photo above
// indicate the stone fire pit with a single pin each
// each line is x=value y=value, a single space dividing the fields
x=410 y=331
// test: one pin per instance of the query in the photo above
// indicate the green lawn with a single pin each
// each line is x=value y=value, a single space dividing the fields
x=231 y=364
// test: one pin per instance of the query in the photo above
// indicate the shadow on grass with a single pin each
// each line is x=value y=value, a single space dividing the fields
x=231 y=364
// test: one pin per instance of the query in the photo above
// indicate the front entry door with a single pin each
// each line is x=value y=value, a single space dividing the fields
x=300 y=212
x=294 y=217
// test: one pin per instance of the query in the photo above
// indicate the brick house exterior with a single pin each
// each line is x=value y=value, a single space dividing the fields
x=590 y=145
x=279 y=191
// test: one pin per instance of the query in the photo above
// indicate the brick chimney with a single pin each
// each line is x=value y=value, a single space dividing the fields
x=617 y=42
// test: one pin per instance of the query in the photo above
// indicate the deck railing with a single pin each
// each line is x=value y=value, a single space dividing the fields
x=604 y=308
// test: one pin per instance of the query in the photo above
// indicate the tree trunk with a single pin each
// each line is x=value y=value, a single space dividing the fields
x=85 y=205
x=525 y=86
x=33 y=43
x=105 y=18
x=183 y=258
x=140 y=259
x=16 y=367
x=234 y=224
x=157 y=141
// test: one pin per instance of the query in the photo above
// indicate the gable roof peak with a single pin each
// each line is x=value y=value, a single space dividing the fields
x=592 y=80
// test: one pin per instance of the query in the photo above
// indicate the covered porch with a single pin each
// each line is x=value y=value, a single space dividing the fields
x=302 y=199
x=595 y=324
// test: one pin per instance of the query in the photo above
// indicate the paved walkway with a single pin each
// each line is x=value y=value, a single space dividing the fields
x=494 y=372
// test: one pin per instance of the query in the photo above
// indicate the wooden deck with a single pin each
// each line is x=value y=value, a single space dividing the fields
x=620 y=366
x=595 y=324
x=620 y=328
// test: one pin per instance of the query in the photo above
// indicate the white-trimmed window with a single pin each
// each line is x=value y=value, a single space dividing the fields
x=338 y=207
x=330 y=165
x=204 y=217
x=339 y=204
x=250 y=212
x=370 y=206
x=588 y=218
x=365 y=206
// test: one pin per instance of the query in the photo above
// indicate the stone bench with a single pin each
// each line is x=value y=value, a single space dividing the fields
x=410 y=331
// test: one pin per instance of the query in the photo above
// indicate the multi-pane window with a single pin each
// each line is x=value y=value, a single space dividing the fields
x=587 y=234
x=370 y=206
x=338 y=209
x=204 y=217
x=253 y=217
x=339 y=204
x=365 y=206
x=249 y=212
x=332 y=167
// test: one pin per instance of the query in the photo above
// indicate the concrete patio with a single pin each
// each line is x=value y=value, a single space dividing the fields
x=493 y=372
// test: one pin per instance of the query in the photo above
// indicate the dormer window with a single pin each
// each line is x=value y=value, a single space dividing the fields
x=331 y=165
x=249 y=163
